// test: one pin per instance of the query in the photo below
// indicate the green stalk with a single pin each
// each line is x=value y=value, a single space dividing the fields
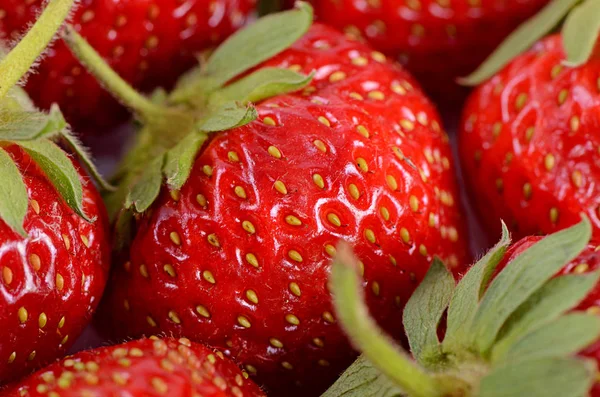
x=18 y=61
x=366 y=336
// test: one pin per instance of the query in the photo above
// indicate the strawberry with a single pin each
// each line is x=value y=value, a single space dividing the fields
x=140 y=368
x=437 y=40
x=523 y=321
x=233 y=249
x=528 y=140
x=150 y=43
x=53 y=226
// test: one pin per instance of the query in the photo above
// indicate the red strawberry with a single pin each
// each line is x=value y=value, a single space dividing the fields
x=437 y=40
x=54 y=243
x=238 y=257
x=529 y=143
x=141 y=368
x=150 y=43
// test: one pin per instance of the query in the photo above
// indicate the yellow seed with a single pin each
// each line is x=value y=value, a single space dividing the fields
x=423 y=250
x=577 y=178
x=244 y=322
x=276 y=343
x=249 y=227
x=375 y=288
x=362 y=164
x=42 y=320
x=233 y=156
x=252 y=297
x=36 y=206
x=521 y=101
x=273 y=151
x=376 y=95
x=7 y=275
x=269 y=121
x=529 y=133
x=287 y=365
x=295 y=68
x=61 y=323
x=295 y=255
x=318 y=342
x=549 y=161
x=414 y=203
x=203 y=311
x=362 y=130
x=337 y=76
x=562 y=96
x=323 y=363
x=356 y=95
x=574 y=123
x=201 y=199
x=431 y=219
x=290 y=318
x=213 y=240
x=292 y=220
x=35 y=261
x=556 y=69
x=360 y=61
x=319 y=144
x=391 y=182
x=175 y=195
x=208 y=276
x=318 y=180
x=385 y=213
x=174 y=317
x=496 y=129
x=208 y=170
x=327 y=316
x=324 y=121
x=353 y=190
x=60 y=282
x=67 y=241
x=251 y=259
x=64 y=340
x=23 y=315
x=378 y=56
x=330 y=249
x=398 y=89
x=405 y=235
x=240 y=192
x=169 y=270
x=12 y=357
x=175 y=238
x=452 y=234
x=334 y=219
x=527 y=190
x=280 y=187
x=407 y=125
x=370 y=235
x=144 y=271
x=295 y=288
x=553 y=214
x=581 y=268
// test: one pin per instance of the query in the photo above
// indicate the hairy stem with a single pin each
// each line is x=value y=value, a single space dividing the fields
x=18 y=61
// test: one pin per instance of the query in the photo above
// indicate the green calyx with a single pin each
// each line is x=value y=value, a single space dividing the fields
x=175 y=126
x=580 y=30
x=512 y=334
x=34 y=131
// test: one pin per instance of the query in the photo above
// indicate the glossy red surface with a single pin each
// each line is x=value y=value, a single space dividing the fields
x=529 y=143
x=143 y=368
x=147 y=42
x=437 y=40
x=358 y=155
x=51 y=281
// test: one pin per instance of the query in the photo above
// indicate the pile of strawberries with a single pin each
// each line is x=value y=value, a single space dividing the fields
x=261 y=151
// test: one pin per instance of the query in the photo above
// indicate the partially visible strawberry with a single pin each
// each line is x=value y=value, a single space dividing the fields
x=54 y=240
x=529 y=143
x=238 y=256
x=141 y=368
x=437 y=40
x=150 y=43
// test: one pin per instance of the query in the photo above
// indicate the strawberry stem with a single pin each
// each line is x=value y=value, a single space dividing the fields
x=17 y=62
x=366 y=336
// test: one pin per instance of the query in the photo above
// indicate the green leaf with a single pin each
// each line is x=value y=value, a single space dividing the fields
x=424 y=310
x=524 y=276
x=262 y=84
x=557 y=296
x=13 y=194
x=366 y=336
x=228 y=116
x=60 y=170
x=147 y=187
x=580 y=32
x=85 y=157
x=549 y=377
x=564 y=336
x=247 y=48
x=469 y=290
x=362 y=379
x=180 y=159
x=520 y=40
x=21 y=125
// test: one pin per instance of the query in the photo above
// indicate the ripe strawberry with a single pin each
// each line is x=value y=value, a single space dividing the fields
x=54 y=240
x=529 y=143
x=150 y=43
x=523 y=321
x=140 y=368
x=437 y=40
x=238 y=255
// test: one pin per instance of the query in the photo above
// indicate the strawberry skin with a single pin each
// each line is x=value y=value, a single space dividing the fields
x=148 y=43
x=239 y=257
x=529 y=143
x=140 y=368
x=437 y=40
x=50 y=282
